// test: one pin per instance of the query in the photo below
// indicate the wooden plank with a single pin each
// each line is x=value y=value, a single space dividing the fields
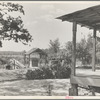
x=74 y=48
x=85 y=81
x=94 y=50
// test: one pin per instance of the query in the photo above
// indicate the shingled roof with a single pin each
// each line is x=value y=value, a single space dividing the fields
x=34 y=50
x=89 y=17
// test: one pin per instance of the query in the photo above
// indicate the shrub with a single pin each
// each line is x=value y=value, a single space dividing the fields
x=34 y=74
x=61 y=71
x=42 y=73
x=49 y=73
x=65 y=72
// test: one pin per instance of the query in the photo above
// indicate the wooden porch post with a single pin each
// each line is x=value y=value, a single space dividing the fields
x=74 y=49
x=94 y=50
x=73 y=91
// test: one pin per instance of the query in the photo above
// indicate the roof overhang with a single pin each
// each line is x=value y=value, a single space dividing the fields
x=89 y=17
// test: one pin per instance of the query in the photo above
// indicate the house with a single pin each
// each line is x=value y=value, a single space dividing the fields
x=36 y=57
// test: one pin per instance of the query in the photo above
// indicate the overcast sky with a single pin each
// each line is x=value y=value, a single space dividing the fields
x=40 y=20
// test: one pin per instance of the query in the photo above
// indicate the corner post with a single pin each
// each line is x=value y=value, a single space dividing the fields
x=94 y=50
x=73 y=91
x=74 y=49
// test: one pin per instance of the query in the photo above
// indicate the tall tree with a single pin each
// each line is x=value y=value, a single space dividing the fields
x=83 y=51
x=68 y=47
x=12 y=28
x=54 y=45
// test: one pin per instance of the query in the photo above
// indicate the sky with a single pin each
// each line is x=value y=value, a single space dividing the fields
x=40 y=20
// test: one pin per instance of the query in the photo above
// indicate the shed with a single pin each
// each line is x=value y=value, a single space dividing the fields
x=35 y=54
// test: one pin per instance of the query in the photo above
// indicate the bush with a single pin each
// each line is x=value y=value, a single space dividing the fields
x=61 y=71
x=34 y=74
x=42 y=73
x=57 y=72
x=47 y=73
x=65 y=72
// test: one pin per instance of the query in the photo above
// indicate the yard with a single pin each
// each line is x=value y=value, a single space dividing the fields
x=54 y=87
x=13 y=83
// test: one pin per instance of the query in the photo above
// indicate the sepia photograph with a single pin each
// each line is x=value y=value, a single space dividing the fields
x=50 y=48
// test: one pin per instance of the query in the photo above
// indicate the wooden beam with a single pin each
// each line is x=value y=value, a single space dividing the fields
x=74 y=49
x=94 y=50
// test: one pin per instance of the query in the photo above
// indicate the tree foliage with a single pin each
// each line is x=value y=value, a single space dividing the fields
x=83 y=50
x=68 y=47
x=12 y=28
x=54 y=45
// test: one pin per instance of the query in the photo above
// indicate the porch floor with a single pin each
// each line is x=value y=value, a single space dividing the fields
x=86 y=78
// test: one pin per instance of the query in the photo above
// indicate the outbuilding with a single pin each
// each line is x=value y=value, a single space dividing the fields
x=35 y=55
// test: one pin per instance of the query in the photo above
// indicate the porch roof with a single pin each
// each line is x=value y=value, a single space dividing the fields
x=89 y=17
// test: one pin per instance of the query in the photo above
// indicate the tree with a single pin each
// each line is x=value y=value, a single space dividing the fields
x=82 y=51
x=54 y=46
x=90 y=42
x=68 y=47
x=12 y=28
